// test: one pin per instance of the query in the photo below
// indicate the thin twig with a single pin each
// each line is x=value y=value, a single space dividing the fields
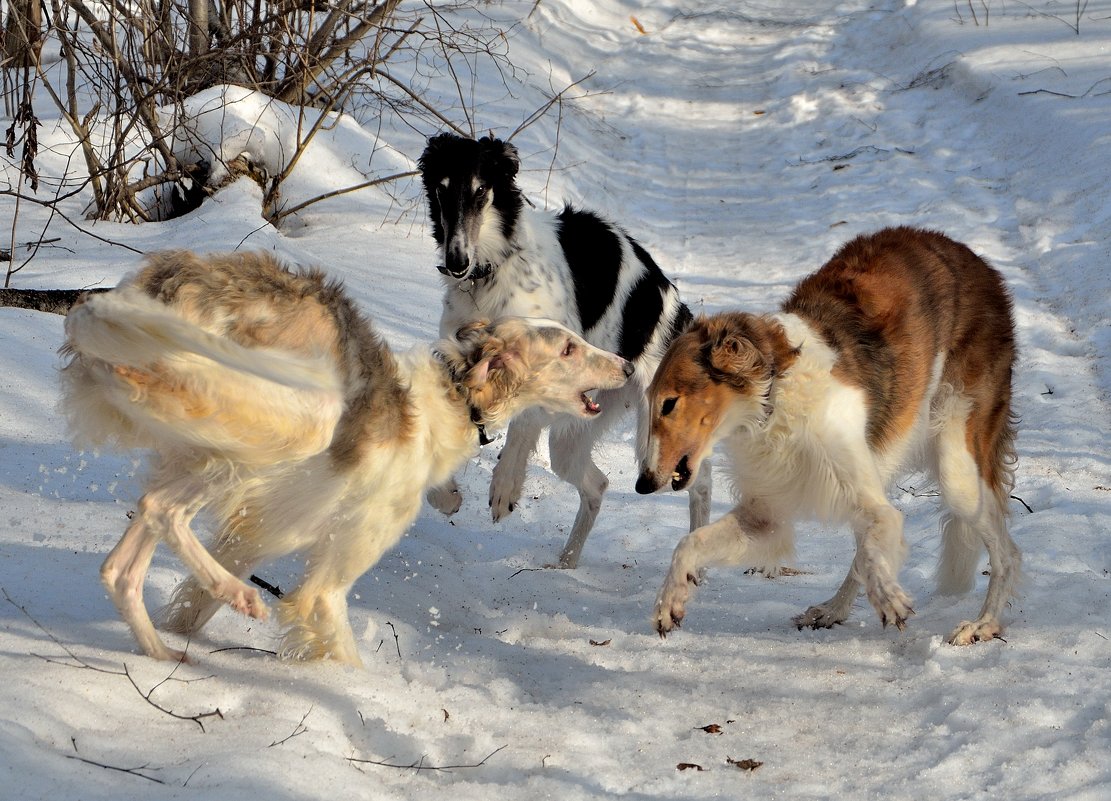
x=279 y=216
x=131 y=771
x=419 y=764
x=396 y=640
x=543 y=109
x=85 y=665
x=299 y=729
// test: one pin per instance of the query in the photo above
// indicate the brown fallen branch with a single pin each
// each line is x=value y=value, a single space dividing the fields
x=419 y=764
x=130 y=771
x=83 y=664
x=299 y=729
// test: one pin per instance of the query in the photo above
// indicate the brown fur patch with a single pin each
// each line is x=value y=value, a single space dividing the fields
x=890 y=302
x=254 y=300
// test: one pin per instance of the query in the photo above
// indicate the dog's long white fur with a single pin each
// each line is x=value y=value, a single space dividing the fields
x=288 y=393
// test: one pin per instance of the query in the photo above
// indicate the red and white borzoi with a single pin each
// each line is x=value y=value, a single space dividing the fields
x=897 y=352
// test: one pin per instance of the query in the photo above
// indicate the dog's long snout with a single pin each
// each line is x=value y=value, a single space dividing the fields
x=457 y=264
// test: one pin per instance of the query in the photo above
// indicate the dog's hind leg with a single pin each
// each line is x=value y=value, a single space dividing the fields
x=191 y=606
x=123 y=573
x=161 y=511
x=752 y=533
x=976 y=519
x=173 y=507
x=509 y=472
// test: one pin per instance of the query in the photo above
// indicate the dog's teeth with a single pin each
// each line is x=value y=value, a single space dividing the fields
x=675 y=476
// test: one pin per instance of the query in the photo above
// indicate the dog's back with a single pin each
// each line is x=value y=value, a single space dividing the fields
x=894 y=304
x=189 y=340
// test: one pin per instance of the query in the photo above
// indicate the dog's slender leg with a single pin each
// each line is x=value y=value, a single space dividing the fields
x=975 y=518
x=175 y=506
x=699 y=495
x=570 y=448
x=752 y=533
x=123 y=573
x=316 y=611
x=191 y=607
x=880 y=551
x=509 y=472
x=445 y=498
x=1004 y=559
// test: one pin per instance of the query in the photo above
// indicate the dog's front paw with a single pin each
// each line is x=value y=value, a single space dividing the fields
x=820 y=616
x=244 y=599
x=505 y=492
x=971 y=631
x=671 y=605
x=891 y=604
x=446 y=499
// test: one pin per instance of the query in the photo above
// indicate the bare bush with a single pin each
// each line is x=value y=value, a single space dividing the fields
x=126 y=68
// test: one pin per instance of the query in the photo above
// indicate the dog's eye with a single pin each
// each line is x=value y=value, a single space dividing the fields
x=480 y=191
x=568 y=349
x=668 y=406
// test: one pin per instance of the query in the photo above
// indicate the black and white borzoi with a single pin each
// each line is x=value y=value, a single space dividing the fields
x=266 y=396
x=501 y=257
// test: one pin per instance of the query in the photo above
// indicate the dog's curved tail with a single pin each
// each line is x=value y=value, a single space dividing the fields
x=142 y=375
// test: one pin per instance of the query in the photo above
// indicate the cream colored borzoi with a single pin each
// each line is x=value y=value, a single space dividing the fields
x=264 y=395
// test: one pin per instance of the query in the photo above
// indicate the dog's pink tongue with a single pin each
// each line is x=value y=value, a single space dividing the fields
x=590 y=405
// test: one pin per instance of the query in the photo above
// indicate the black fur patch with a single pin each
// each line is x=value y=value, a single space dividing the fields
x=593 y=251
x=460 y=159
x=641 y=314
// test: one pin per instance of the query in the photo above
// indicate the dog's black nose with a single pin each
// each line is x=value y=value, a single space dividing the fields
x=646 y=485
x=629 y=369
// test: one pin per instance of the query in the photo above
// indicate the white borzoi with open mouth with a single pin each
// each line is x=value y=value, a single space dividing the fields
x=897 y=352
x=500 y=257
x=266 y=396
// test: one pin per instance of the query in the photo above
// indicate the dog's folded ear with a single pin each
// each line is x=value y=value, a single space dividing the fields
x=435 y=152
x=735 y=360
x=499 y=156
x=484 y=352
x=741 y=348
x=473 y=332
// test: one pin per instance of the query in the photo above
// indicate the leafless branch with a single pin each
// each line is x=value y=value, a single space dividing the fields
x=131 y=771
x=81 y=663
x=299 y=729
x=419 y=764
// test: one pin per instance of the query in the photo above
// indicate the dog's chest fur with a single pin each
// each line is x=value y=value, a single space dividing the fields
x=533 y=280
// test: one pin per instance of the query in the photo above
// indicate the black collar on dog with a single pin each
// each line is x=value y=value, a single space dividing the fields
x=479 y=273
x=476 y=415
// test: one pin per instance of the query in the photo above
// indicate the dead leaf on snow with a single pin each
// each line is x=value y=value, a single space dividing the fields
x=712 y=728
x=600 y=642
x=689 y=766
x=744 y=764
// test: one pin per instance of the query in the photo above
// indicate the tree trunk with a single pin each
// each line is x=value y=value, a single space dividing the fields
x=23 y=33
x=198 y=27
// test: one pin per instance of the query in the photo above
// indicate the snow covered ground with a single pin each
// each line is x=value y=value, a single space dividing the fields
x=741 y=142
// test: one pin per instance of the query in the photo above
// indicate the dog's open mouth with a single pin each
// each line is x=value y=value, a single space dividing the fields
x=590 y=407
x=682 y=474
